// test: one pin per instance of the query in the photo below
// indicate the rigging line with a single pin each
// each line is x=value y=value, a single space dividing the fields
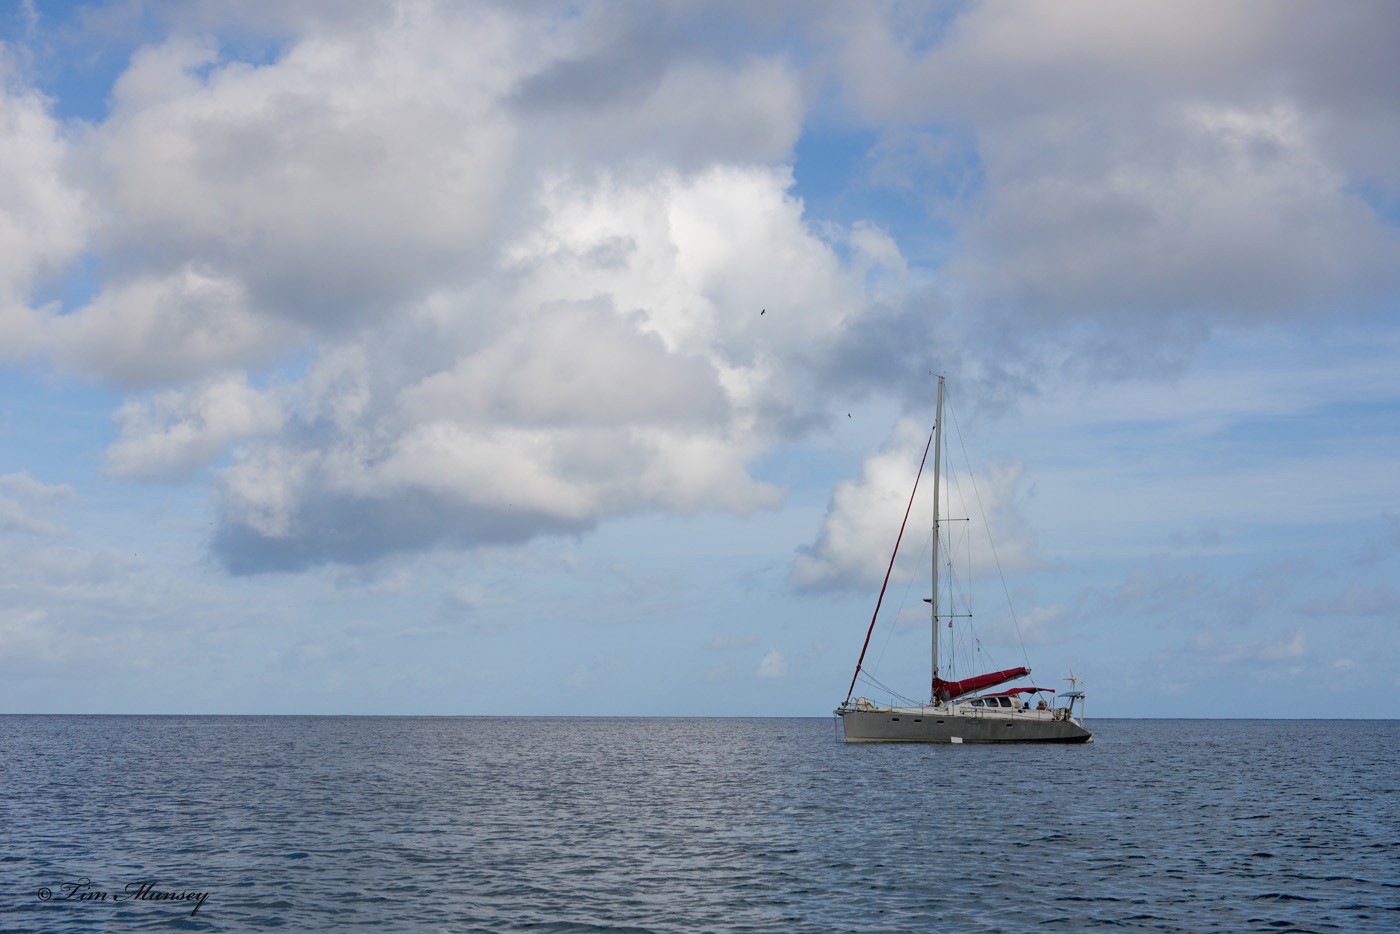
x=897 y=540
x=960 y=589
x=894 y=695
x=987 y=525
x=903 y=602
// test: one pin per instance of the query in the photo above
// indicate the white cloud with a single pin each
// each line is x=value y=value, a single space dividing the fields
x=772 y=666
x=25 y=505
x=178 y=432
x=862 y=521
x=43 y=217
x=1220 y=209
x=389 y=280
x=331 y=183
x=696 y=257
x=614 y=363
x=861 y=526
x=563 y=367
x=167 y=329
x=521 y=257
x=73 y=612
x=1130 y=176
x=525 y=264
x=261 y=489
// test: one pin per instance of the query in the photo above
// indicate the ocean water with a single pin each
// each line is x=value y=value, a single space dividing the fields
x=725 y=825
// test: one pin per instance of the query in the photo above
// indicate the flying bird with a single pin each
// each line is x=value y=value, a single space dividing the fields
x=764 y=312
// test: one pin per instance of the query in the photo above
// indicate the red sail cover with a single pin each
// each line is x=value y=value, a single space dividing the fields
x=947 y=690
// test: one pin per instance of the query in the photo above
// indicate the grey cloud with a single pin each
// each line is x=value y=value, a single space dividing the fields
x=889 y=348
x=353 y=530
x=627 y=76
x=1182 y=161
x=621 y=60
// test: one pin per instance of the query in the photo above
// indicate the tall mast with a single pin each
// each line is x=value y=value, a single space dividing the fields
x=937 y=463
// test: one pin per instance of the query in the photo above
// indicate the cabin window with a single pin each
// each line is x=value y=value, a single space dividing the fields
x=894 y=719
x=977 y=703
x=1006 y=702
x=918 y=721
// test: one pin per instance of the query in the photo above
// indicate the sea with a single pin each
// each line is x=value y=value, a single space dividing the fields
x=226 y=823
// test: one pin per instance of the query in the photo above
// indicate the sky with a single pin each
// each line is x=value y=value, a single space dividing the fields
x=577 y=357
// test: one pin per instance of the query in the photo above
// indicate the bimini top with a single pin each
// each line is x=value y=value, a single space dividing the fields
x=1020 y=691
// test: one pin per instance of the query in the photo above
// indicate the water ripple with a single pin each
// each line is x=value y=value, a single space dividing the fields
x=682 y=825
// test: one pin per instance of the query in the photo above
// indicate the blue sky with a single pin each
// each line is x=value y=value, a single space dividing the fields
x=407 y=358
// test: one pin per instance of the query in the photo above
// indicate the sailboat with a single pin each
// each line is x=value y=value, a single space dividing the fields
x=962 y=710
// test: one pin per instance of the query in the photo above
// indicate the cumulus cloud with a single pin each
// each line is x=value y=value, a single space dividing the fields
x=346 y=175
x=859 y=531
x=507 y=263
x=1127 y=171
x=166 y=329
x=44 y=217
x=178 y=432
x=523 y=264
x=449 y=483
x=562 y=367
x=614 y=362
x=1252 y=222
x=862 y=520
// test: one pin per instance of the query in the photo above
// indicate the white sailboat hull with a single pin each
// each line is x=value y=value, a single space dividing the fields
x=959 y=725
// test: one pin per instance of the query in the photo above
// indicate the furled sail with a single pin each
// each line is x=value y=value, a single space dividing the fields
x=948 y=690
